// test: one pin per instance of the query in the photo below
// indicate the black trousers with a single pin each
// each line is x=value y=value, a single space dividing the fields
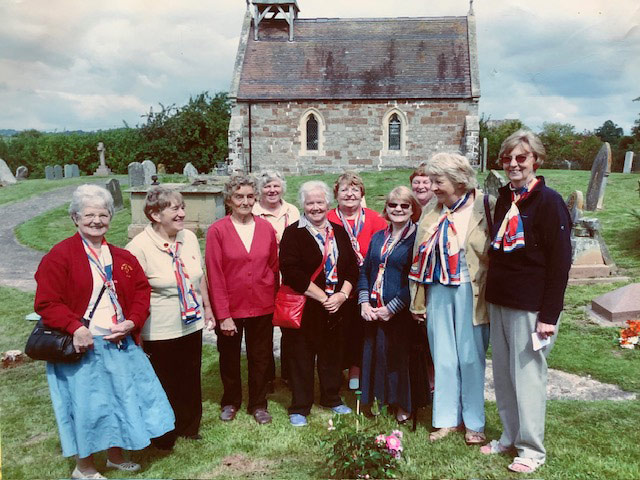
x=319 y=340
x=177 y=363
x=258 y=333
x=353 y=328
x=272 y=363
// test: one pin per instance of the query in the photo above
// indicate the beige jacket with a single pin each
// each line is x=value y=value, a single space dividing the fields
x=476 y=248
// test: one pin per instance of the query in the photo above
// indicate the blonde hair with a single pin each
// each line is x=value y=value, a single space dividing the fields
x=455 y=167
x=528 y=138
x=350 y=178
x=404 y=194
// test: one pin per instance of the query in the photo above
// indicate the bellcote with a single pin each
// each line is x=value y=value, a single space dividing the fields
x=276 y=10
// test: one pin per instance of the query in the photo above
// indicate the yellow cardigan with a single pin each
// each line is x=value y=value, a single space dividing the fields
x=476 y=248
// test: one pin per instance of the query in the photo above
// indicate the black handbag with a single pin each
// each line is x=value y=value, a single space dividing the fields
x=53 y=345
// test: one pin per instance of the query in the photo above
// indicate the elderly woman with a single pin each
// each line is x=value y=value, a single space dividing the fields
x=309 y=245
x=530 y=260
x=111 y=398
x=170 y=257
x=447 y=281
x=383 y=294
x=360 y=223
x=421 y=186
x=242 y=266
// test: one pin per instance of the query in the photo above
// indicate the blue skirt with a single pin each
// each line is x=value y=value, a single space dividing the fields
x=110 y=398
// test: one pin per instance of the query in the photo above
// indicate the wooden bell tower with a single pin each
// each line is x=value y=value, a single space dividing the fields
x=285 y=10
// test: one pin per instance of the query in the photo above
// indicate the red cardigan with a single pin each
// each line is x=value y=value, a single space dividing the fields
x=241 y=284
x=65 y=284
x=373 y=222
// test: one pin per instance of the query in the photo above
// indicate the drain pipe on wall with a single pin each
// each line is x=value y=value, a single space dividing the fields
x=250 y=145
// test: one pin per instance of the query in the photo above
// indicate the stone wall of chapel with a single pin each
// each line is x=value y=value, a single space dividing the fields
x=352 y=135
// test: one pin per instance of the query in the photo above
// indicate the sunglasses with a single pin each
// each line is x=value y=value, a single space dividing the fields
x=403 y=206
x=519 y=158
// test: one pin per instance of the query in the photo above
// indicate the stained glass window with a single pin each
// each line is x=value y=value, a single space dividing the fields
x=312 y=133
x=394 y=132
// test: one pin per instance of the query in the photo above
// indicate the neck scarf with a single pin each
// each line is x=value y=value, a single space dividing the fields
x=440 y=248
x=190 y=310
x=510 y=235
x=331 y=263
x=105 y=271
x=385 y=252
x=354 y=231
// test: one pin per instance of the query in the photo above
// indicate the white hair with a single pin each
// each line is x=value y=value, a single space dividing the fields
x=269 y=176
x=307 y=187
x=90 y=195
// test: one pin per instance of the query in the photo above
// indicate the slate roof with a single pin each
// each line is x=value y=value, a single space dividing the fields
x=409 y=58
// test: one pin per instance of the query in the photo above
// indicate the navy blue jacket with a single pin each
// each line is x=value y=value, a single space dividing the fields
x=533 y=278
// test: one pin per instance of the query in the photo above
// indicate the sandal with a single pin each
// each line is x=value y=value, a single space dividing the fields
x=524 y=465
x=493 y=447
x=443 y=432
x=471 y=437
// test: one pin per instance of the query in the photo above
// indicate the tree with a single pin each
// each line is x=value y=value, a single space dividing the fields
x=496 y=133
x=563 y=144
x=609 y=132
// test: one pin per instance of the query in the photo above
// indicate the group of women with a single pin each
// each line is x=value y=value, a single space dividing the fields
x=441 y=253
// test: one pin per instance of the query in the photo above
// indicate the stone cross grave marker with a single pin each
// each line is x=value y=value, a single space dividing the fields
x=189 y=170
x=628 y=162
x=493 y=182
x=22 y=172
x=102 y=170
x=600 y=170
x=113 y=186
x=136 y=174
x=57 y=172
x=149 y=170
x=48 y=172
x=6 y=177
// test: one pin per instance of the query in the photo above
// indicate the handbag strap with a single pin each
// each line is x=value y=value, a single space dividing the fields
x=324 y=259
x=87 y=321
x=487 y=213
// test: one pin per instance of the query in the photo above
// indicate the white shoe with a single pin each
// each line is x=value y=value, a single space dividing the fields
x=124 y=466
x=78 y=474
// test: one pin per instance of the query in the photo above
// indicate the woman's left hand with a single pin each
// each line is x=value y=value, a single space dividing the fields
x=334 y=302
x=209 y=319
x=120 y=330
x=382 y=314
x=545 y=330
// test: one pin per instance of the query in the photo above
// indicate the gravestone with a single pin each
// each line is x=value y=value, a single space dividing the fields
x=149 y=170
x=57 y=172
x=136 y=174
x=75 y=170
x=102 y=170
x=6 y=177
x=485 y=148
x=162 y=169
x=619 y=305
x=113 y=186
x=22 y=172
x=48 y=172
x=493 y=182
x=575 y=205
x=600 y=170
x=189 y=170
x=68 y=170
x=628 y=162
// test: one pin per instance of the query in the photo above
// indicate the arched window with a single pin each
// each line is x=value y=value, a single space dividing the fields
x=312 y=133
x=395 y=130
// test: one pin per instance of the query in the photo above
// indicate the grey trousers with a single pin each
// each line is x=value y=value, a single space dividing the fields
x=520 y=378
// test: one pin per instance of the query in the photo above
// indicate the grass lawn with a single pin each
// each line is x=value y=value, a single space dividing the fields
x=584 y=439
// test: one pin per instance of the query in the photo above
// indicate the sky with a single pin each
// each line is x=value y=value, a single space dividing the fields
x=89 y=64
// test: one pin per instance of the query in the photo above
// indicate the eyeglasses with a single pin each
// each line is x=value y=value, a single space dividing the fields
x=403 y=206
x=519 y=158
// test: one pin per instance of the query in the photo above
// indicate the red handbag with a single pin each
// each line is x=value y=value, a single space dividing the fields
x=290 y=304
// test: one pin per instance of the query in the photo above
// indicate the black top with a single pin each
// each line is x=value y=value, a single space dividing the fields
x=535 y=277
x=300 y=257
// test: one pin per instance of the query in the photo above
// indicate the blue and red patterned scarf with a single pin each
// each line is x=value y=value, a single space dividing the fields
x=385 y=252
x=442 y=248
x=354 y=231
x=331 y=263
x=510 y=235
x=190 y=310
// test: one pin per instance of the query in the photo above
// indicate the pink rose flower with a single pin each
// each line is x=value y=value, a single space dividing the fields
x=397 y=433
x=393 y=443
x=380 y=439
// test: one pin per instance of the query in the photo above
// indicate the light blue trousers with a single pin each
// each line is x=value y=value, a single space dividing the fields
x=458 y=349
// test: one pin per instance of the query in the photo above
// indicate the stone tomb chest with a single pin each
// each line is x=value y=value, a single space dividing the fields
x=204 y=205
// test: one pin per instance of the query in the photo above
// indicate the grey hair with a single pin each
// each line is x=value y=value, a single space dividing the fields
x=269 y=176
x=527 y=137
x=308 y=187
x=234 y=184
x=90 y=195
x=455 y=167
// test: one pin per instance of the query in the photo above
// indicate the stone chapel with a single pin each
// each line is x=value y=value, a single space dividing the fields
x=312 y=95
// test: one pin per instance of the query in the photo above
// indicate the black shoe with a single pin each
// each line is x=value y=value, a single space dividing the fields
x=270 y=387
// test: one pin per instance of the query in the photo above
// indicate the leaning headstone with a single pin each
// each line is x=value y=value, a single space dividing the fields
x=102 y=170
x=68 y=170
x=600 y=170
x=136 y=174
x=149 y=169
x=22 y=172
x=75 y=171
x=162 y=169
x=113 y=186
x=57 y=172
x=48 y=172
x=628 y=162
x=189 y=170
x=6 y=177
x=493 y=182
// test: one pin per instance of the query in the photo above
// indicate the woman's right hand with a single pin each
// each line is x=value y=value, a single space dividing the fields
x=366 y=312
x=419 y=317
x=228 y=327
x=82 y=340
